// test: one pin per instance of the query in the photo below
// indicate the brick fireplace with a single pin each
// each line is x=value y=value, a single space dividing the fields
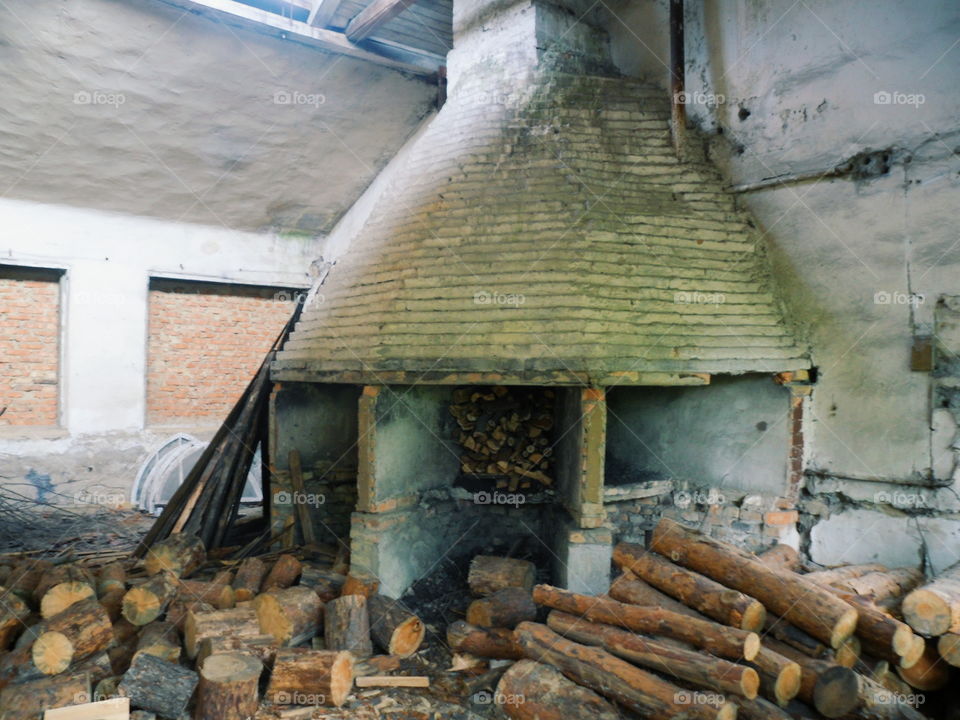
x=540 y=233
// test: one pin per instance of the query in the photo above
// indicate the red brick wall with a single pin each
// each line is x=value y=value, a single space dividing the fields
x=29 y=346
x=205 y=342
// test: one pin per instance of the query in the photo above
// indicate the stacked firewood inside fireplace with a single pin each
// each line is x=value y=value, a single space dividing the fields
x=695 y=628
x=505 y=436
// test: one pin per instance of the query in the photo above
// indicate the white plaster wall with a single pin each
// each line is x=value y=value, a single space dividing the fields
x=108 y=261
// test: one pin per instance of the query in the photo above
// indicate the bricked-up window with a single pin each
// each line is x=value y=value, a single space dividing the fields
x=205 y=342
x=29 y=346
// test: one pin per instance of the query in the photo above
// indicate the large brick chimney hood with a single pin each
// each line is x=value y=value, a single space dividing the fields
x=542 y=231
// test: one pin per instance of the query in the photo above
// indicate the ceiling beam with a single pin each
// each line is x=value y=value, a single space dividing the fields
x=322 y=12
x=374 y=16
x=410 y=60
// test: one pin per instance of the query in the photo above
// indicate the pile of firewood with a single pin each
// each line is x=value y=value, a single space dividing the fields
x=696 y=628
x=505 y=435
x=180 y=634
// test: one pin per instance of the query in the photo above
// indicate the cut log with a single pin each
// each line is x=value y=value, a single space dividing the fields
x=687 y=665
x=837 y=576
x=283 y=574
x=112 y=602
x=24 y=577
x=627 y=588
x=52 y=653
x=794 y=637
x=112 y=577
x=881 y=635
x=13 y=614
x=160 y=639
x=395 y=630
x=483 y=642
x=28 y=701
x=69 y=572
x=779 y=675
x=848 y=653
x=292 y=615
x=179 y=609
x=785 y=594
x=720 y=640
x=325 y=583
x=591 y=667
x=360 y=583
x=262 y=647
x=158 y=686
x=530 y=690
x=714 y=600
x=759 y=708
x=236 y=622
x=811 y=669
x=376 y=665
x=310 y=677
x=505 y=608
x=145 y=603
x=61 y=587
x=347 y=625
x=180 y=554
x=880 y=586
x=934 y=609
x=489 y=573
x=97 y=667
x=249 y=578
x=218 y=594
x=842 y=692
x=949 y=648
x=930 y=672
x=229 y=687
x=780 y=556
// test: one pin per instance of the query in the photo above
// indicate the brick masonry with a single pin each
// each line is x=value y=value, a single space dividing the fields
x=29 y=346
x=205 y=342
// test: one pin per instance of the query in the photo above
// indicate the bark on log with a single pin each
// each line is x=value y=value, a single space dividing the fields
x=780 y=676
x=97 y=667
x=249 y=578
x=262 y=647
x=811 y=669
x=720 y=640
x=505 y=608
x=236 y=622
x=376 y=665
x=930 y=672
x=360 y=583
x=229 y=687
x=145 y=603
x=310 y=677
x=530 y=690
x=836 y=576
x=948 y=646
x=844 y=693
x=112 y=602
x=24 y=577
x=179 y=609
x=395 y=630
x=714 y=600
x=283 y=574
x=347 y=625
x=69 y=572
x=28 y=701
x=158 y=686
x=794 y=637
x=325 y=583
x=881 y=586
x=780 y=556
x=759 y=709
x=785 y=594
x=616 y=679
x=62 y=586
x=218 y=594
x=881 y=635
x=112 y=577
x=160 y=639
x=180 y=554
x=489 y=573
x=688 y=665
x=627 y=588
x=934 y=609
x=13 y=613
x=291 y=615
x=483 y=642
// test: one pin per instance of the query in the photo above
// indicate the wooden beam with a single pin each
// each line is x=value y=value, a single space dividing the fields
x=236 y=13
x=373 y=17
x=322 y=12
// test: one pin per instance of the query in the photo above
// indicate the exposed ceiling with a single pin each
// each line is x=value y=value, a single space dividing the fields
x=147 y=107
